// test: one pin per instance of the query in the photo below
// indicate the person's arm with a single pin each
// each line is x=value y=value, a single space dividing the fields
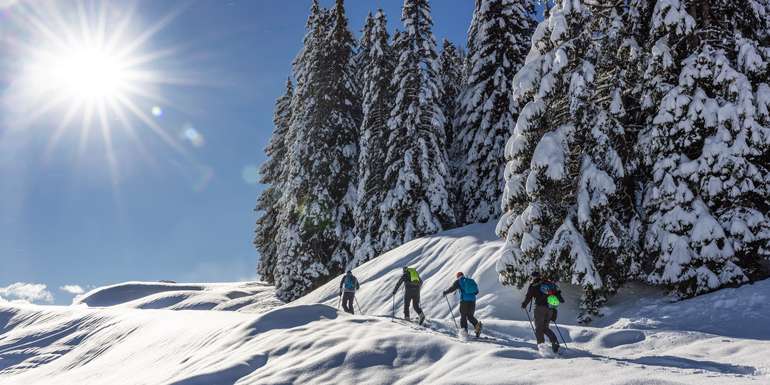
x=398 y=284
x=455 y=286
x=558 y=295
x=358 y=285
x=528 y=298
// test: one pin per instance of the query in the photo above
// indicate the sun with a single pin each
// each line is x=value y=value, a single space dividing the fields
x=87 y=74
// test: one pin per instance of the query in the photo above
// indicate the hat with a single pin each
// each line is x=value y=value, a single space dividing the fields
x=535 y=274
x=459 y=274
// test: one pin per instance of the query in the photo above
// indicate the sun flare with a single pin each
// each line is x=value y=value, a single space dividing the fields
x=78 y=62
x=86 y=74
x=90 y=67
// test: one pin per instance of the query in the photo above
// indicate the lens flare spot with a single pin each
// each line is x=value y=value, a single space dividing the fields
x=204 y=178
x=190 y=134
x=156 y=111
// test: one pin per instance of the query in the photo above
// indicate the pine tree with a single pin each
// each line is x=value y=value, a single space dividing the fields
x=450 y=64
x=536 y=195
x=361 y=57
x=377 y=100
x=416 y=201
x=605 y=208
x=498 y=45
x=316 y=233
x=271 y=174
x=288 y=266
x=565 y=204
x=707 y=200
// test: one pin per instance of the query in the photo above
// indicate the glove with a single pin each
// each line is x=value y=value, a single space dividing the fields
x=394 y=292
x=524 y=306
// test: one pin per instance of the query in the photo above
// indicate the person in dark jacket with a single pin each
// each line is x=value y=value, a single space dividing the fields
x=348 y=286
x=412 y=285
x=467 y=305
x=543 y=313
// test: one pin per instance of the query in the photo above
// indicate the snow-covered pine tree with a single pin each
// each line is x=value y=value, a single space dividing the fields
x=361 y=57
x=606 y=215
x=707 y=202
x=498 y=44
x=271 y=174
x=377 y=101
x=566 y=207
x=343 y=117
x=416 y=201
x=550 y=87
x=288 y=266
x=450 y=64
x=316 y=233
x=471 y=40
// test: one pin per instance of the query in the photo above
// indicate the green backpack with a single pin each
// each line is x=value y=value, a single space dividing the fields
x=413 y=275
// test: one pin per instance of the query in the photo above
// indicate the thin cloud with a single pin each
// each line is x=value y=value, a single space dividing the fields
x=29 y=292
x=72 y=289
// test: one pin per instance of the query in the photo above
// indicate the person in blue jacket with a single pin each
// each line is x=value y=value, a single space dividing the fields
x=468 y=291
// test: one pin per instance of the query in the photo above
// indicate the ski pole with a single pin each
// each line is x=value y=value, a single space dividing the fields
x=339 y=302
x=359 y=306
x=451 y=312
x=393 y=311
x=530 y=321
x=562 y=337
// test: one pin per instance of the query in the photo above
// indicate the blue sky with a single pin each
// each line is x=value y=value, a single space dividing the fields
x=185 y=214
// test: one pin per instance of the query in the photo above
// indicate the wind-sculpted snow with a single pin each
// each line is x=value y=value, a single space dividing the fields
x=254 y=297
x=314 y=344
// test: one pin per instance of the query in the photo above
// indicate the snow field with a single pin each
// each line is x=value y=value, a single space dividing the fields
x=719 y=338
x=314 y=344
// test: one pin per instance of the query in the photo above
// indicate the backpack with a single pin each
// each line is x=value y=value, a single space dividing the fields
x=550 y=290
x=350 y=283
x=414 y=277
x=468 y=289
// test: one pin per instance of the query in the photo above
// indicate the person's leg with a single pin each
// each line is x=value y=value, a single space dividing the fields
x=407 y=299
x=347 y=302
x=471 y=310
x=541 y=316
x=551 y=335
x=416 y=303
x=464 y=315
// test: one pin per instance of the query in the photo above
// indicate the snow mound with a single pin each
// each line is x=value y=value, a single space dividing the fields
x=473 y=249
x=254 y=297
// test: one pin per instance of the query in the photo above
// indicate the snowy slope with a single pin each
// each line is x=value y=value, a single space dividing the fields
x=251 y=297
x=721 y=338
x=473 y=249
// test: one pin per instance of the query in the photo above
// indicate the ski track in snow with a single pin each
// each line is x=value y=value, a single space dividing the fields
x=142 y=333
